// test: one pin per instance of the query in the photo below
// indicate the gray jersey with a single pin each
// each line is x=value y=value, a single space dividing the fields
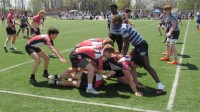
x=24 y=19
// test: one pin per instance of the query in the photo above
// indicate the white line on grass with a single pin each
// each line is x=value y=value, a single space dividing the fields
x=64 y=50
x=176 y=79
x=28 y=62
x=77 y=101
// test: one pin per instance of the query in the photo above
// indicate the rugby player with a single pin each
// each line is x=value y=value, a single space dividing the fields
x=33 y=49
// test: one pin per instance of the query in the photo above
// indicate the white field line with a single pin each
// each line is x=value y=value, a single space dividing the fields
x=177 y=75
x=77 y=101
x=28 y=62
x=64 y=50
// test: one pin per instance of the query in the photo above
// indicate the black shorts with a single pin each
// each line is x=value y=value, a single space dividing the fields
x=10 y=31
x=179 y=18
x=77 y=60
x=119 y=73
x=118 y=39
x=33 y=31
x=84 y=81
x=198 y=21
x=175 y=34
x=162 y=24
x=30 y=49
x=23 y=25
x=142 y=49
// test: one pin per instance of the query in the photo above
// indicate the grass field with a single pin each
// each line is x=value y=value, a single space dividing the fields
x=16 y=94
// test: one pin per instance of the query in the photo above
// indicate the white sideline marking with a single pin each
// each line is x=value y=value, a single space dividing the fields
x=77 y=101
x=176 y=79
x=64 y=50
x=29 y=62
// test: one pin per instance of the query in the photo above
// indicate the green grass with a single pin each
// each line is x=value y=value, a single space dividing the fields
x=74 y=31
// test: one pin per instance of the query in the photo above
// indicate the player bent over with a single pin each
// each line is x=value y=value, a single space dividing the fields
x=79 y=56
x=33 y=49
x=141 y=47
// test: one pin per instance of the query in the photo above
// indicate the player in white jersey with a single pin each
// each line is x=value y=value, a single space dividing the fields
x=198 y=20
x=115 y=36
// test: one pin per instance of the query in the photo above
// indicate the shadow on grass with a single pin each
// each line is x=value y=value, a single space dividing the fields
x=189 y=66
x=52 y=56
x=184 y=56
x=44 y=84
x=141 y=74
x=17 y=52
x=179 y=43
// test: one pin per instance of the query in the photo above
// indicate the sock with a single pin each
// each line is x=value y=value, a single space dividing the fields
x=89 y=86
x=12 y=45
x=45 y=71
x=56 y=82
x=57 y=76
x=168 y=56
x=32 y=76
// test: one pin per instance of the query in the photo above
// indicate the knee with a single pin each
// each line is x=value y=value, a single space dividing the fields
x=46 y=58
x=38 y=61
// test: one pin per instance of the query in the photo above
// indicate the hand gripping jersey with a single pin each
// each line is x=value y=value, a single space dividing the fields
x=40 y=40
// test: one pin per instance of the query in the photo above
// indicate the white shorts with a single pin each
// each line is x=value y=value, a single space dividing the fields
x=171 y=41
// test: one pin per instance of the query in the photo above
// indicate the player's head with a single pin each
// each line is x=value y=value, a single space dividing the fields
x=42 y=13
x=167 y=9
x=108 y=50
x=113 y=8
x=117 y=21
x=108 y=41
x=137 y=60
x=128 y=10
x=53 y=32
x=12 y=10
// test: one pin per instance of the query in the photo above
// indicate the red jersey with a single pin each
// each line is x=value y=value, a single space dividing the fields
x=91 y=42
x=11 y=18
x=37 y=19
x=91 y=53
x=40 y=40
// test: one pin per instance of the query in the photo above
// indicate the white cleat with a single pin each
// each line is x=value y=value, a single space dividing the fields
x=51 y=77
x=92 y=90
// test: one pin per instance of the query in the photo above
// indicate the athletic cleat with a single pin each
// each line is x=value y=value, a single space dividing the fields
x=92 y=90
x=51 y=77
x=160 y=91
x=173 y=63
x=5 y=49
x=163 y=41
x=33 y=81
x=13 y=49
x=45 y=75
x=164 y=59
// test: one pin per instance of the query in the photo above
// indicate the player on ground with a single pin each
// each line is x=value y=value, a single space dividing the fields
x=198 y=20
x=172 y=35
x=141 y=47
x=33 y=49
x=36 y=23
x=10 y=29
x=24 y=24
x=79 y=56
x=77 y=79
x=162 y=22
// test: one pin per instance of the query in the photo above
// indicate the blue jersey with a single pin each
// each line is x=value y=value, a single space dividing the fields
x=112 y=30
x=127 y=31
x=170 y=19
x=162 y=19
x=24 y=19
x=198 y=16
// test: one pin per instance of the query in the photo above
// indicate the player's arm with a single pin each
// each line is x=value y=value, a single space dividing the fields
x=172 y=28
x=53 y=49
x=125 y=46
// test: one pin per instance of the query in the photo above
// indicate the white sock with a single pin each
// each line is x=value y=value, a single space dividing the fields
x=12 y=46
x=89 y=86
x=58 y=76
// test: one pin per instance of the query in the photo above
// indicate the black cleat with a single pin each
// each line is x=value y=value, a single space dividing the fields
x=5 y=49
x=45 y=75
x=33 y=81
